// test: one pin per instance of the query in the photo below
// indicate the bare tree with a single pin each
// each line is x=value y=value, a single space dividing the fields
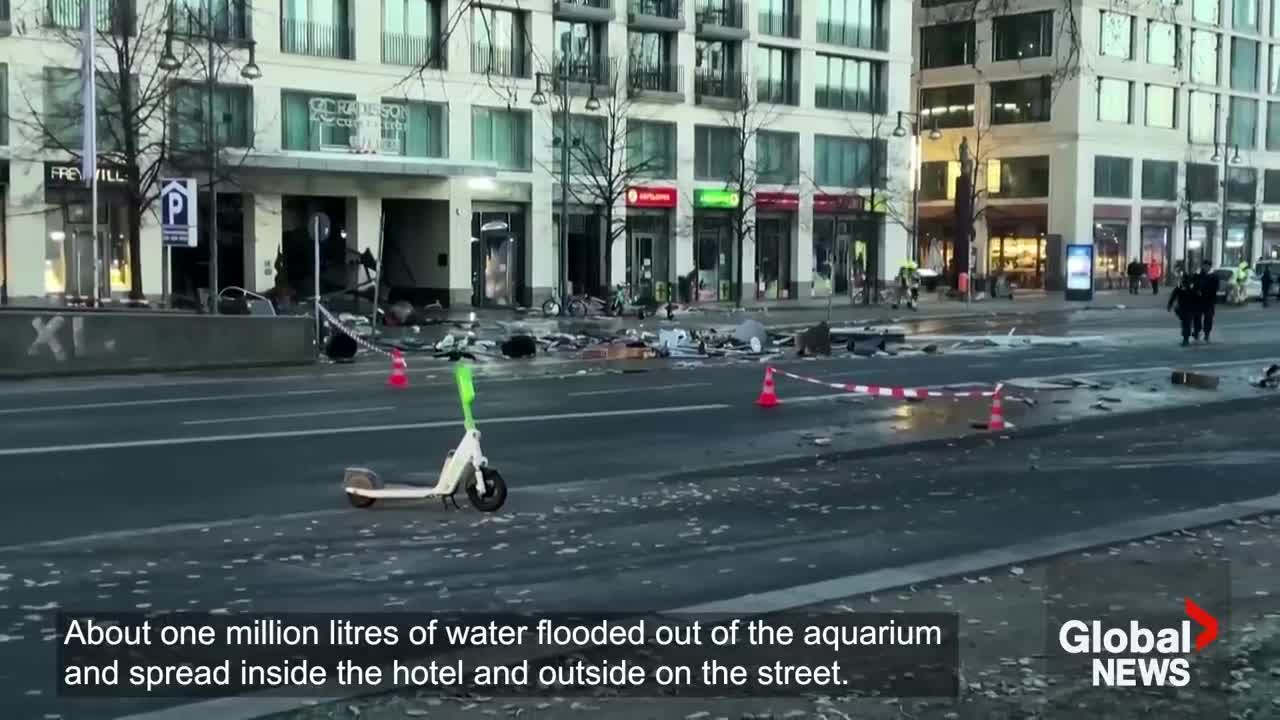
x=137 y=99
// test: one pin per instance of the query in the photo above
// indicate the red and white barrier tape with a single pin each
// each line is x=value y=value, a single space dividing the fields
x=337 y=325
x=892 y=392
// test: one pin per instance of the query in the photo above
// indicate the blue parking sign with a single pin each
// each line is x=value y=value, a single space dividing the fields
x=178 y=216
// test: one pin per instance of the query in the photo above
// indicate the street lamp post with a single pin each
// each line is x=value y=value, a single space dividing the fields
x=934 y=134
x=250 y=71
x=1227 y=159
x=539 y=98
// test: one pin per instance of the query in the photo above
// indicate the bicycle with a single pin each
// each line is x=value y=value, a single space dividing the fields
x=571 y=305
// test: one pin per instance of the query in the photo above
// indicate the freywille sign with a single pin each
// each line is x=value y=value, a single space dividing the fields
x=59 y=175
x=375 y=127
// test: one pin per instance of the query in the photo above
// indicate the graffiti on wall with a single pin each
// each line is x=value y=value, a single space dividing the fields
x=49 y=338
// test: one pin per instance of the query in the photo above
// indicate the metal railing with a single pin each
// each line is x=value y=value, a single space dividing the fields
x=656 y=8
x=656 y=78
x=111 y=16
x=307 y=37
x=413 y=50
x=230 y=21
x=780 y=24
x=601 y=4
x=865 y=37
x=866 y=101
x=727 y=85
x=777 y=92
x=487 y=60
x=725 y=13
x=586 y=69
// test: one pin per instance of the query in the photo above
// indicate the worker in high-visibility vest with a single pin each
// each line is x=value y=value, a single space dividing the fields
x=1239 y=275
x=908 y=289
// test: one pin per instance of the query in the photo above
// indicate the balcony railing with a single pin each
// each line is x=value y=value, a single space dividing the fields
x=656 y=78
x=780 y=24
x=724 y=85
x=412 y=50
x=318 y=39
x=867 y=101
x=598 y=4
x=586 y=69
x=725 y=13
x=230 y=21
x=656 y=8
x=500 y=61
x=111 y=16
x=777 y=92
x=865 y=37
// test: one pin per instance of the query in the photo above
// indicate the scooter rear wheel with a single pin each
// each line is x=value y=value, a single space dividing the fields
x=495 y=494
x=361 y=480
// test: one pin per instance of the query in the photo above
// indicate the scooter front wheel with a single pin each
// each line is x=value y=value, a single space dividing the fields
x=495 y=494
x=551 y=307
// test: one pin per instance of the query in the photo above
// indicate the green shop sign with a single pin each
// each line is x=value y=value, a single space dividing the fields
x=722 y=199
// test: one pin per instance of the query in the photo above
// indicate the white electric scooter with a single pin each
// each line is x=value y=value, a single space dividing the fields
x=465 y=466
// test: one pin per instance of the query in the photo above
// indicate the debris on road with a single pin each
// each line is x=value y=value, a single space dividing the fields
x=520 y=346
x=1194 y=379
x=1270 y=378
x=814 y=341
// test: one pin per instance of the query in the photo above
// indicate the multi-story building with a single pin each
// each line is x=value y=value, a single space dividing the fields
x=1150 y=129
x=416 y=126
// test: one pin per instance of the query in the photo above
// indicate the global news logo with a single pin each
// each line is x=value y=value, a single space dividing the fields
x=1137 y=655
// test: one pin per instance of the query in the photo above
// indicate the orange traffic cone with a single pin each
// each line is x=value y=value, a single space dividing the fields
x=996 y=423
x=768 y=395
x=399 y=378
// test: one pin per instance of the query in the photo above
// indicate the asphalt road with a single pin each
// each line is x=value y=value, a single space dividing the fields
x=221 y=491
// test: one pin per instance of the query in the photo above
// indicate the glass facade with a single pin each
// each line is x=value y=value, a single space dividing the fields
x=775 y=76
x=843 y=83
x=1159 y=180
x=1273 y=126
x=423 y=133
x=317 y=27
x=1162 y=43
x=947 y=45
x=301 y=133
x=1021 y=101
x=1244 y=14
x=1202 y=117
x=1116 y=38
x=947 y=107
x=503 y=137
x=1018 y=177
x=1242 y=185
x=1115 y=100
x=1018 y=37
x=715 y=153
x=1202 y=182
x=777 y=157
x=1242 y=123
x=1204 y=57
x=846 y=162
x=499 y=45
x=1162 y=106
x=232 y=106
x=588 y=147
x=651 y=149
x=1206 y=11
x=1244 y=64
x=62 y=118
x=1112 y=177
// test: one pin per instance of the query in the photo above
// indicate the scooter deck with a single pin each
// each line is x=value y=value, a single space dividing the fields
x=395 y=493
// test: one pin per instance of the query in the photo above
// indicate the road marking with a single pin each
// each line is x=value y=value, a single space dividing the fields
x=278 y=416
x=647 y=388
x=1231 y=363
x=314 y=432
x=162 y=401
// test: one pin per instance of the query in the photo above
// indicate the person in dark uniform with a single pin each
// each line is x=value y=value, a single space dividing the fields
x=1206 y=288
x=1184 y=303
x=1268 y=280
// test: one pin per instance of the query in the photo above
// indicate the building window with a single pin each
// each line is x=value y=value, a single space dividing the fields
x=1159 y=180
x=651 y=149
x=588 y=154
x=947 y=107
x=1273 y=84
x=842 y=83
x=321 y=28
x=1018 y=37
x=1018 y=177
x=1021 y=101
x=498 y=44
x=302 y=132
x=1242 y=123
x=1204 y=57
x=775 y=76
x=231 y=18
x=1115 y=100
x=716 y=67
x=1271 y=187
x=777 y=157
x=947 y=45
x=854 y=23
x=777 y=17
x=4 y=114
x=1242 y=185
x=1244 y=14
x=1273 y=126
x=1205 y=11
x=232 y=110
x=1112 y=177
x=580 y=45
x=112 y=16
x=936 y=180
x=503 y=137
x=1117 y=35
x=419 y=131
x=411 y=33
x=847 y=162
x=1244 y=64
x=1162 y=106
x=62 y=121
x=1202 y=117
x=715 y=153
x=1202 y=182
x=1162 y=43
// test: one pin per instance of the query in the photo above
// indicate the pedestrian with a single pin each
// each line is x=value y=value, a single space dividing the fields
x=1183 y=303
x=1154 y=271
x=1206 y=289
x=1267 y=281
x=1135 y=276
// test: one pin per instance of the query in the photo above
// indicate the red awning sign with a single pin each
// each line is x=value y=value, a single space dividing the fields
x=777 y=201
x=651 y=197
x=823 y=203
